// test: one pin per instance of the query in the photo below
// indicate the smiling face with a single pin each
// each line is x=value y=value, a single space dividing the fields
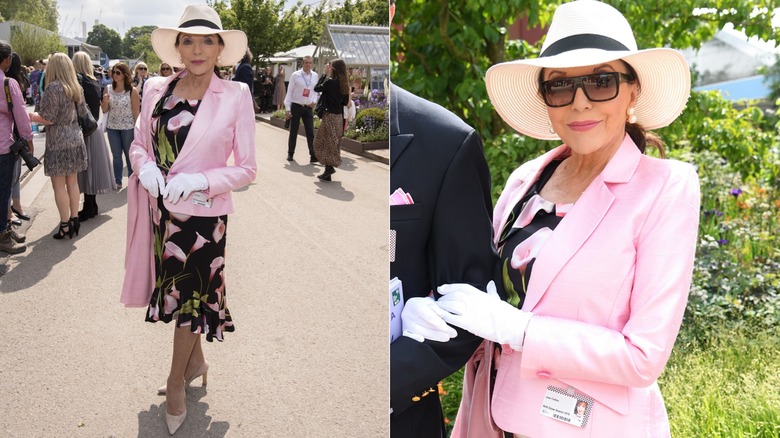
x=199 y=52
x=586 y=126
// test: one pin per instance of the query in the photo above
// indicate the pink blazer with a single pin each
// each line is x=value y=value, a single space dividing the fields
x=223 y=126
x=608 y=291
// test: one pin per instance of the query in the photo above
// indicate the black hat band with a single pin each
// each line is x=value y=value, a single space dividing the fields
x=583 y=41
x=200 y=22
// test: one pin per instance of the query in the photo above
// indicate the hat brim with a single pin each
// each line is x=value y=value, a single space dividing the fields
x=664 y=78
x=164 y=44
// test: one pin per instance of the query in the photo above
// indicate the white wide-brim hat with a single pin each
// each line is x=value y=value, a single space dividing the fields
x=199 y=20
x=583 y=33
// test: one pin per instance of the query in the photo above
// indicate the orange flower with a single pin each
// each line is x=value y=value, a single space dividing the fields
x=446 y=420
x=441 y=389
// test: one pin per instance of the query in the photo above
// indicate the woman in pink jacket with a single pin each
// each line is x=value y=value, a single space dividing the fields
x=190 y=124
x=596 y=240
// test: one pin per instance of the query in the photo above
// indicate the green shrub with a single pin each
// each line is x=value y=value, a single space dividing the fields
x=279 y=114
x=370 y=119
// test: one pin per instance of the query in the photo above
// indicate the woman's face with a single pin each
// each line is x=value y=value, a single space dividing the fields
x=199 y=53
x=141 y=71
x=166 y=70
x=581 y=409
x=587 y=126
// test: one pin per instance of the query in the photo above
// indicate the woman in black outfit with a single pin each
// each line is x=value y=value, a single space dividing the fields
x=98 y=178
x=334 y=86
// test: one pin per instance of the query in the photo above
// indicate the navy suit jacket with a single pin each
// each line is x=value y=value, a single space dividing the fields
x=444 y=237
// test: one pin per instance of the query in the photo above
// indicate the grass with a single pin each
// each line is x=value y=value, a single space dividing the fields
x=729 y=388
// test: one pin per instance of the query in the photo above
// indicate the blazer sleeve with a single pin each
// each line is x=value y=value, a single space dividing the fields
x=460 y=250
x=636 y=354
x=244 y=168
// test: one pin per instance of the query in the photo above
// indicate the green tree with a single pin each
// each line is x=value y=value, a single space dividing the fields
x=32 y=43
x=42 y=13
x=136 y=42
x=108 y=39
x=361 y=12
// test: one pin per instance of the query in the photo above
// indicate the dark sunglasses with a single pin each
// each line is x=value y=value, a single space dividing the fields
x=598 y=87
x=116 y=72
x=140 y=68
x=165 y=68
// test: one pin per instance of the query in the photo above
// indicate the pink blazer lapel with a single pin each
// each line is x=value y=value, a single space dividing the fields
x=580 y=222
x=204 y=117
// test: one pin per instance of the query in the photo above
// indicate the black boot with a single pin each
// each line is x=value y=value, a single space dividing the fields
x=90 y=208
x=325 y=176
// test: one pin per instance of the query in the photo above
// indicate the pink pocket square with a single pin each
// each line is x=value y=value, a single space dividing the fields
x=399 y=197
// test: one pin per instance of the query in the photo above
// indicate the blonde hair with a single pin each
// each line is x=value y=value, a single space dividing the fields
x=83 y=64
x=60 y=68
x=140 y=64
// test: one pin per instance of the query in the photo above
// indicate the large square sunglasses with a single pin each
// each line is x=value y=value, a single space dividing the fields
x=598 y=87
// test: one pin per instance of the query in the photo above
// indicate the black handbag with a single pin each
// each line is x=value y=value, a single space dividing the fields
x=20 y=145
x=86 y=122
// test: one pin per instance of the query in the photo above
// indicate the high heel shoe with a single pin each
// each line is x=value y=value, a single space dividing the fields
x=175 y=421
x=202 y=371
x=65 y=230
x=75 y=225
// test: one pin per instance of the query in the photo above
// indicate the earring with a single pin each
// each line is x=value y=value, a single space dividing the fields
x=552 y=131
x=219 y=60
x=631 y=116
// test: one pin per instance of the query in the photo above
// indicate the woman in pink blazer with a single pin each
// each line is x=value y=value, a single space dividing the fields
x=190 y=124
x=596 y=240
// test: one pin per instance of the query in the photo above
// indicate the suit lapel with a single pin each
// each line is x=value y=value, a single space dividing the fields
x=580 y=222
x=398 y=141
x=204 y=117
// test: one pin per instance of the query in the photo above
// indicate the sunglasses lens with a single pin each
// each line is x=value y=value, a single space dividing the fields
x=600 y=87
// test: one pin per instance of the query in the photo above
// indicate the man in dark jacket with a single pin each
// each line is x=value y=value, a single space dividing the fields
x=245 y=73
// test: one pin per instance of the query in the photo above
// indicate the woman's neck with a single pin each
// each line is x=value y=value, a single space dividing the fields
x=193 y=87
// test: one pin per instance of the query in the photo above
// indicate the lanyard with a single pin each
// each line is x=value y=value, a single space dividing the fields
x=308 y=82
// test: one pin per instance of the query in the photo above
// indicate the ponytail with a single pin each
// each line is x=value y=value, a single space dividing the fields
x=642 y=138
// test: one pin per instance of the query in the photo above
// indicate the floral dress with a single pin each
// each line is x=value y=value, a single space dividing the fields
x=531 y=223
x=189 y=251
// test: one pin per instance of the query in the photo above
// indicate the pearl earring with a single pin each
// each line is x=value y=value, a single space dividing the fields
x=552 y=131
x=631 y=116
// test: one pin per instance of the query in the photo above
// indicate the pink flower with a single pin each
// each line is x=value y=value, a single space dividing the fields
x=154 y=312
x=171 y=249
x=529 y=248
x=184 y=118
x=157 y=216
x=199 y=242
x=170 y=304
x=219 y=230
x=170 y=230
x=216 y=264
x=180 y=217
x=171 y=102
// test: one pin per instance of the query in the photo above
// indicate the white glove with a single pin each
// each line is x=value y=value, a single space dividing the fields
x=422 y=320
x=151 y=178
x=484 y=314
x=182 y=184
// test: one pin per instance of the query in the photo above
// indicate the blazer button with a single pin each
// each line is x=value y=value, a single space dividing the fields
x=415 y=398
x=543 y=374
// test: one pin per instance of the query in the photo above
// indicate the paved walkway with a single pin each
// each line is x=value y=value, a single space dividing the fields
x=307 y=278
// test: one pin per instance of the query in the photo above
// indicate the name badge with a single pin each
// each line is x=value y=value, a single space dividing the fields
x=199 y=198
x=306 y=92
x=566 y=406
